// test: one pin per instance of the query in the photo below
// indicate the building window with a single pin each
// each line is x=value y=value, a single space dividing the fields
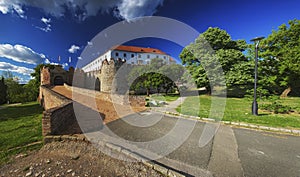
x=164 y=57
x=148 y=56
x=132 y=55
x=140 y=56
x=124 y=54
x=157 y=56
x=132 y=62
x=140 y=62
x=117 y=54
x=148 y=62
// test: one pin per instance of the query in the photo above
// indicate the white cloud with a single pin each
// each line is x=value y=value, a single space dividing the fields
x=74 y=49
x=81 y=9
x=129 y=9
x=21 y=53
x=6 y=6
x=13 y=68
x=47 y=22
x=64 y=65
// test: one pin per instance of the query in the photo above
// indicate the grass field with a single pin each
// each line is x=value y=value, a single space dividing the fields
x=170 y=97
x=20 y=126
x=239 y=110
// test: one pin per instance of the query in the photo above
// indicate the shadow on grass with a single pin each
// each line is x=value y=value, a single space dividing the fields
x=19 y=111
x=263 y=114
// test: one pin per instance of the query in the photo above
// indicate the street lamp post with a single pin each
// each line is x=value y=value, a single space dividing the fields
x=254 y=103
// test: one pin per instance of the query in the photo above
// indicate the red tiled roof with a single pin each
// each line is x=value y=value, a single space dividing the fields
x=171 y=59
x=138 y=49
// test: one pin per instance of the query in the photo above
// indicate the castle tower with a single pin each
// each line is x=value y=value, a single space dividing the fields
x=108 y=72
x=45 y=76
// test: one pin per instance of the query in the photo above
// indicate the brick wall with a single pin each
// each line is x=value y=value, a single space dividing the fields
x=62 y=120
x=121 y=99
x=50 y=99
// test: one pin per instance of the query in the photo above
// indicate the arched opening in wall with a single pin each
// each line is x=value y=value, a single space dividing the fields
x=58 y=80
x=97 y=84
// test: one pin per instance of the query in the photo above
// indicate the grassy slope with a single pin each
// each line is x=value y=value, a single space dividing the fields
x=20 y=125
x=239 y=110
x=170 y=97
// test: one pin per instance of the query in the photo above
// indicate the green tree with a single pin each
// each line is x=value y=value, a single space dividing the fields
x=15 y=92
x=172 y=73
x=212 y=47
x=281 y=52
x=3 y=91
x=156 y=75
x=31 y=90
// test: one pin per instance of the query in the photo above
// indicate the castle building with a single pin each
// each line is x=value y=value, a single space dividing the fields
x=131 y=55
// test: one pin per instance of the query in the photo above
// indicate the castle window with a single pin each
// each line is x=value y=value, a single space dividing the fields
x=132 y=55
x=124 y=54
x=157 y=56
x=148 y=56
x=117 y=54
x=140 y=56
x=164 y=57
x=140 y=62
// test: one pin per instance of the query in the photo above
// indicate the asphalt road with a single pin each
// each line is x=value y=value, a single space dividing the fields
x=189 y=154
x=232 y=152
x=268 y=154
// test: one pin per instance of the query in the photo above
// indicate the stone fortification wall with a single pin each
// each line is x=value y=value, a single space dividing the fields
x=62 y=120
x=50 y=99
x=107 y=75
x=119 y=99
x=59 y=117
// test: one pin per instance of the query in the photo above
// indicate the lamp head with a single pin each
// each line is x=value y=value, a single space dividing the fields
x=257 y=39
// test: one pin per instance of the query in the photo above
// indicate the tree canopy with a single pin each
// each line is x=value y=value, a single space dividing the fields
x=212 y=56
x=281 y=54
x=278 y=68
x=157 y=75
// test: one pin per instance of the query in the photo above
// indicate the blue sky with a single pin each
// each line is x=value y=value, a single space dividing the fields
x=34 y=32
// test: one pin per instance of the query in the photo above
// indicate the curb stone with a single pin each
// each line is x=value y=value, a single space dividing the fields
x=240 y=124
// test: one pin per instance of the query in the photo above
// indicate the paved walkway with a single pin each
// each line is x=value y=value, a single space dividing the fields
x=98 y=104
x=171 y=106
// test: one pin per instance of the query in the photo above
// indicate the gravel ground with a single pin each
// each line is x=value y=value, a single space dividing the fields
x=72 y=159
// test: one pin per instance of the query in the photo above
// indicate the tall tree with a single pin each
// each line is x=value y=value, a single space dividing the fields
x=156 y=75
x=3 y=91
x=213 y=55
x=15 y=92
x=281 y=52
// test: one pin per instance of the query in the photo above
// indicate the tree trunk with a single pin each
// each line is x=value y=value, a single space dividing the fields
x=148 y=92
x=209 y=90
x=286 y=92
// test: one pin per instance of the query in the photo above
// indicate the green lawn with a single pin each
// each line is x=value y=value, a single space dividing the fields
x=239 y=110
x=20 y=126
x=168 y=98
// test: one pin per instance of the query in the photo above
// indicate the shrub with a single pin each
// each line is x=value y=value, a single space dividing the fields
x=277 y=108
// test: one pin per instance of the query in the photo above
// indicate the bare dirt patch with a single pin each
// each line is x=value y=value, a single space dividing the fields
x=73 y=159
